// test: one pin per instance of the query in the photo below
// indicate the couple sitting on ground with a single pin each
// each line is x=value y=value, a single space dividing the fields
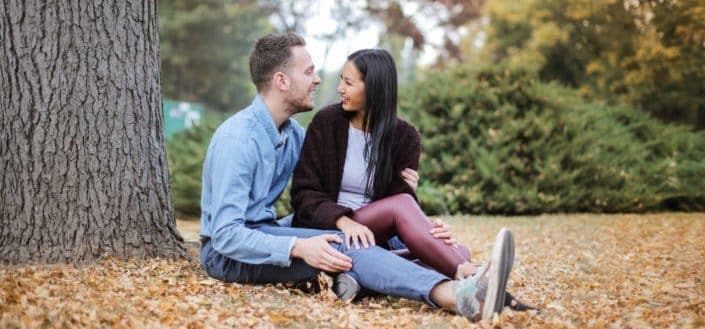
x=353 y=191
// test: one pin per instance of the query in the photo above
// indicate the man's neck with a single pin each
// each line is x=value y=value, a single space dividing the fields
x=277 y=109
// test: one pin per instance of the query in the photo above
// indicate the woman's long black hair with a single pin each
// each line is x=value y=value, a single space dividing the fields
x=380 y=76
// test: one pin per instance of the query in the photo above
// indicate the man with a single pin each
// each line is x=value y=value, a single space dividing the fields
x=249 y=161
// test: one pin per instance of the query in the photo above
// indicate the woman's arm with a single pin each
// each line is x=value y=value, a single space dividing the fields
x=411 y=177
x=406 y=155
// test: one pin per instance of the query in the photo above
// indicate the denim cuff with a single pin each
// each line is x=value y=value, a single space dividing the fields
x=433 y=284
x=282 y=256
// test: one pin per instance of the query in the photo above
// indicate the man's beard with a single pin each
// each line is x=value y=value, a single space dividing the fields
x=301 y=104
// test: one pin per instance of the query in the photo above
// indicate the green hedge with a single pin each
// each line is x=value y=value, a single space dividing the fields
x=501 y=142
x=185 y=153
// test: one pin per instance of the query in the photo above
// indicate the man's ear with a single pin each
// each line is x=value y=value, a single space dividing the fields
x=281 y=81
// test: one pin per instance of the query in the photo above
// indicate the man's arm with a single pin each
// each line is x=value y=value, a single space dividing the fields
x=316 y=251
x=233 y=165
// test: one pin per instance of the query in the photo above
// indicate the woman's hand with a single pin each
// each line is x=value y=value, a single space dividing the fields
x=355 y=232
x=442 y=231
x=411 y=177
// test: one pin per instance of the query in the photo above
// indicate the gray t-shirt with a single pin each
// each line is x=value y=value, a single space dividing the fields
x=352 y=187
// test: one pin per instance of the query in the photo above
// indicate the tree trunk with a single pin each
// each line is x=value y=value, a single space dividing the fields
x=82 y=153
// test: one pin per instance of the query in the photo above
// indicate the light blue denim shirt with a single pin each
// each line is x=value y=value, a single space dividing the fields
x=247 y=166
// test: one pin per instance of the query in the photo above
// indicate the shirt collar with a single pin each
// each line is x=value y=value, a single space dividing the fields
x=265 y=119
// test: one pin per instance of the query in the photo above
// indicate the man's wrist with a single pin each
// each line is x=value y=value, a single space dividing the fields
x=292 y=248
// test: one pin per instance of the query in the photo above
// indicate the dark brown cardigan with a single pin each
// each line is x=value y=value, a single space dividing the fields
x=319 y=173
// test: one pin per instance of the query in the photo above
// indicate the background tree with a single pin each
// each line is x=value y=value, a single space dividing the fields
x=645 y=53
x=82 y=158
x=420 y=21
x=205 y=47
x=446 y=16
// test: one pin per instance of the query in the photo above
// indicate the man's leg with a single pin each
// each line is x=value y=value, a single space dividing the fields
x=382 y=271
x=230 y=270
x=374 y=268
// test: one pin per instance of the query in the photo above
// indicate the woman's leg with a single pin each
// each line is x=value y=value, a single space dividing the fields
x=400 y=214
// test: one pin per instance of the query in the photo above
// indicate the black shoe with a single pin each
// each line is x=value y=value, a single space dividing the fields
x=345 y=287
x=516 y=305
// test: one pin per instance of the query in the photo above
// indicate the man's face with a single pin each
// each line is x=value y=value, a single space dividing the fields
x=303 y=79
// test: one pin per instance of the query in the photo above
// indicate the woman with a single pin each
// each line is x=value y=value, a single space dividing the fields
x=351 y=174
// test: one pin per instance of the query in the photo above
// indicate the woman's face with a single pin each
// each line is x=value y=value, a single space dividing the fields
x=352 y=88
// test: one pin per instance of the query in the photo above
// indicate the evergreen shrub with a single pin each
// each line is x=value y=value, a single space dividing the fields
x=185 y=153
x=501 y=142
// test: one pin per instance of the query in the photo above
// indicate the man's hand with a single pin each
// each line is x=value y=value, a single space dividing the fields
x=355 y=232
x=411 y=177
x=442 y=231
x=316 y=251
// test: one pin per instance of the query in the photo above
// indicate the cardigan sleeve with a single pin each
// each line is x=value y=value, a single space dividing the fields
x=313 y=205
x=406 y=155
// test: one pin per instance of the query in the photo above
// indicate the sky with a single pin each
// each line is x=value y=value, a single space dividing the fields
x=340 y=49
x=367 y=38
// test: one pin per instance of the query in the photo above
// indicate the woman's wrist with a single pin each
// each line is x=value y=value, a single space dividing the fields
x=342 y=222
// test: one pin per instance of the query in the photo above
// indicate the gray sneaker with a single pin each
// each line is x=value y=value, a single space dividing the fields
x=346 y=287
x=480 y=296
x=502 y=259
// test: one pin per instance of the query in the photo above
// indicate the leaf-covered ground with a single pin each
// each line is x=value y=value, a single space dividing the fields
x=583 y=271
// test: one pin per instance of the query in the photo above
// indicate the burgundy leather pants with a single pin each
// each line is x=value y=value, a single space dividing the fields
x=401 y=215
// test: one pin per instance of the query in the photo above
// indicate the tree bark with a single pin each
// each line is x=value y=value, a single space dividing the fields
x=82 y=152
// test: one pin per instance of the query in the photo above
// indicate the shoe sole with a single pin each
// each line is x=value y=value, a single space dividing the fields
x=501 y=261
x=346 y=288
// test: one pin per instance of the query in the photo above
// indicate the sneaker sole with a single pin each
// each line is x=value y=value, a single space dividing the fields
x=501 y=262
x=346 y=288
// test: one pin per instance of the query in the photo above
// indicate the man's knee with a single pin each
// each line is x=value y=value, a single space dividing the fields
x=341 y=236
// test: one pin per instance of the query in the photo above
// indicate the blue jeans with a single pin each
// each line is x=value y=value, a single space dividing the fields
x=374 y=268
